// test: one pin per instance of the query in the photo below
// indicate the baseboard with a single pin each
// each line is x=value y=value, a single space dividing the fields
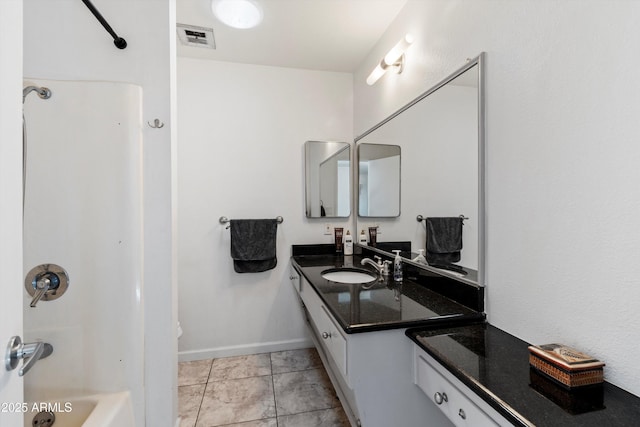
x=240 y=350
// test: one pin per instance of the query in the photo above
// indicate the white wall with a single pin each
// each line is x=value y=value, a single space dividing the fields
x=563 y=198
x=240 y=155
x=11 y=195
x=62 y=40
x=383 y=183
x=328 y=185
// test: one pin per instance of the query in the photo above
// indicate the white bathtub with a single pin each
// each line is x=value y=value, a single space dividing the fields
x=99 y=410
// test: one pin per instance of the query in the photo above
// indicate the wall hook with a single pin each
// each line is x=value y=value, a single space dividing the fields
x=157 y=124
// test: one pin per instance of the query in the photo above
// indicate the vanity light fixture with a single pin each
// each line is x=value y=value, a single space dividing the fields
x=393 y=60
x=241 y=14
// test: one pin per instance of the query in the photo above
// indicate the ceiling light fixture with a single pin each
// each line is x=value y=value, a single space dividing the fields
x=393 y=60
x=237 y=13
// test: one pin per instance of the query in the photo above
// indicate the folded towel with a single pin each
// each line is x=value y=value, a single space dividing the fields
x=253 y=244
x=444 y=240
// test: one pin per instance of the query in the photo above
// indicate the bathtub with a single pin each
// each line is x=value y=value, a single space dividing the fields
x=99 y=410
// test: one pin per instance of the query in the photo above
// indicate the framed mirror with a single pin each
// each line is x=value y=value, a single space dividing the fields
x=378 y=180
x=327 y=179
x=441 y=135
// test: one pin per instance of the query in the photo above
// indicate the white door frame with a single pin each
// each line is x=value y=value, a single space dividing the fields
x=11 y=282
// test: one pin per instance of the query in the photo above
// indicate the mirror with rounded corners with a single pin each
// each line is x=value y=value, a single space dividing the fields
x=327 y=179
x=441 y=134
x=378 y=180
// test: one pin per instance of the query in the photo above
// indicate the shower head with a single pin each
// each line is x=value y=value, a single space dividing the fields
x=43 y=92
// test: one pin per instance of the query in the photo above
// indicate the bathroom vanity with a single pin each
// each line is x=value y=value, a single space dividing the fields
x=480 y=367
x=359 y=331
x=407 y=355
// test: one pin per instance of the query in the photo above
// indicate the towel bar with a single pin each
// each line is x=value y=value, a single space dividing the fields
x=225 y=220
x=420 y=218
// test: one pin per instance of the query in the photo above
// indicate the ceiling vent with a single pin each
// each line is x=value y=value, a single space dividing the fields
x=190 y=35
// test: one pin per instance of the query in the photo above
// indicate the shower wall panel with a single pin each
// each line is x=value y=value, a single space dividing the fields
x=83 y=211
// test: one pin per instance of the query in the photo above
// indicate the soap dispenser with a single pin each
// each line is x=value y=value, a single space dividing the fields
x=420 y=259
x=348 y=244
x=363 y=238
x=397 y=267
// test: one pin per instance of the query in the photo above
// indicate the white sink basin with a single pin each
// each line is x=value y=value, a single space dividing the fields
x=351 y=276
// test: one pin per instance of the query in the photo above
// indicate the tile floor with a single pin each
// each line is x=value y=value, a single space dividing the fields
x=281 y=389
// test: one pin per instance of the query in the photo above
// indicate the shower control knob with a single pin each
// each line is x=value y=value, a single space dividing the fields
x=46 y=282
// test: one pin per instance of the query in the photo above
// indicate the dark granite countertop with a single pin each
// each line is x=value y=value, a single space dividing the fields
x=495 y=365
x=383 y=305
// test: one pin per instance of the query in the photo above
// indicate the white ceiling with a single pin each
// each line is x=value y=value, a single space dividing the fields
x=328 y=35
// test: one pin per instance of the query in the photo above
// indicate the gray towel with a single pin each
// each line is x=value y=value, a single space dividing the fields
x=444 y=240
x=253 y=244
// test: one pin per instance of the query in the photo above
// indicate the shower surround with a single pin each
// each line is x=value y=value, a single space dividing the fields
x=83 y=211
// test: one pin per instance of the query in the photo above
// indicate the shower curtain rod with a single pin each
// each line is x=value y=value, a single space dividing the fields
x=118 y=41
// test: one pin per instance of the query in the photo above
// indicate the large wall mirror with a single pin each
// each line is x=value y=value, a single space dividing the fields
x=441 y=135
x=327 y=179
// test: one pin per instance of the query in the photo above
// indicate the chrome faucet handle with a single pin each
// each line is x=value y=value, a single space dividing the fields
x=378 y=259
x=42 y=286
x=30 y=353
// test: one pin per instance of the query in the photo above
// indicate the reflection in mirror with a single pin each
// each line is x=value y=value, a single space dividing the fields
x=378 y=180
x=441 y=134
x=327 y=179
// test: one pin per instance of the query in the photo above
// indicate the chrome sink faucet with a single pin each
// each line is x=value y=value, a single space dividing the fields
x=381 y=267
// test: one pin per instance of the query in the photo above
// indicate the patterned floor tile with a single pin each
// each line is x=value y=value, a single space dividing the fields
x=189 y=400
x=303 y=391
x=236 y=401
x=195 y=372
x=295 y=360
x=228 y=368
x=334 y=417
x=271 y=422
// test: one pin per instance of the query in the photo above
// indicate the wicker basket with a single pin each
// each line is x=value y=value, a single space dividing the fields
x=569 y=379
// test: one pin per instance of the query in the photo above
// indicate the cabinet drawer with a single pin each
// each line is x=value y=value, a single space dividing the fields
x=449 y=399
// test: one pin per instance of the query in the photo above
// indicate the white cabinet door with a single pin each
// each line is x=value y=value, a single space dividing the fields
x=295 y=279
x=336 y=342
x=330 y=333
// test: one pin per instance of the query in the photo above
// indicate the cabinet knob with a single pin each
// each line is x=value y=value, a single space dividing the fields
x=440 y=397
x=293 y=277
x=462 y=414
x=326 y=335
